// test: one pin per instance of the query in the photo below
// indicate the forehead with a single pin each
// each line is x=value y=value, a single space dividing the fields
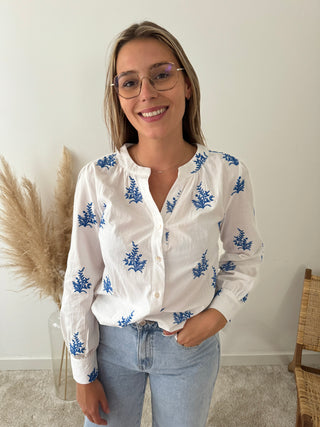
x=141 y=54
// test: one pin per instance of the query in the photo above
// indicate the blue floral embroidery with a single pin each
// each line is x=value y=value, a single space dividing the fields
x=230 y=159
x=102 y=220
x=76 y=346
x=107 y=285
x=133 y=193
x=93 y=375
x=218 y=293
x=88 y=219
x=199 y=161
x=181 y=317
x=228 y=266
x=167 y=236
x=107 y=161
x=203 y=198
x=214 y=278
x=244 y=299
x=133 y=259
x=171 y=205
x=220 y=224
x=81 y=282
x=238 y=187
x=201 y=267
x=125 y=320
x=241 y=241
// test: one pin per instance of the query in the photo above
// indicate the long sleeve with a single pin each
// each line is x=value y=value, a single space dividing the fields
x=242 y=245
x=84 y=272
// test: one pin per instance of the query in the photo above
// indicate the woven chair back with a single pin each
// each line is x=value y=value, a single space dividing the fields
x=309 y=320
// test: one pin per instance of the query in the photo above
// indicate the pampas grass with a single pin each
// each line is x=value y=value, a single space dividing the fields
x=37 y=243
x=64 y=193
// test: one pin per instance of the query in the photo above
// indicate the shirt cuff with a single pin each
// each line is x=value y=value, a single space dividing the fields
x=85 y=370
x=226 y=303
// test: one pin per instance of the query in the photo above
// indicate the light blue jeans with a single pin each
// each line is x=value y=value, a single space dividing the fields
x=181 y=378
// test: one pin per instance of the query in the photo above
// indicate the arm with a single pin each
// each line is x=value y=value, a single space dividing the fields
x=84 y=272
x=238 y=264
x=242 y=245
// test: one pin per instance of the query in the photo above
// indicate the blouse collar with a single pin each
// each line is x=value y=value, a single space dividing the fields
x=189 y=168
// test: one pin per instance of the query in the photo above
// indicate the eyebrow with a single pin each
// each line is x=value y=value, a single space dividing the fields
x=157 y=64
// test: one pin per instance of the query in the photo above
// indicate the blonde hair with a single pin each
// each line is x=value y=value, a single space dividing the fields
x=120 y=129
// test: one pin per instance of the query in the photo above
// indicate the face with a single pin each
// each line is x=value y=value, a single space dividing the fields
x=155 y=115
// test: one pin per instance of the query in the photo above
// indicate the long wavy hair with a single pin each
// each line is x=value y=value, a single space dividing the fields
x=120 y=129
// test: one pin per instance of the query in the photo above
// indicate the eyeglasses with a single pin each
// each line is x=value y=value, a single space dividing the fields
x=162 y=76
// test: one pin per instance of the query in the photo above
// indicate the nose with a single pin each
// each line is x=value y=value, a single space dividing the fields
x=147 y=89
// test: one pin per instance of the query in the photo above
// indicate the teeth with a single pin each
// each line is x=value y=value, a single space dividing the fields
x=154 y=113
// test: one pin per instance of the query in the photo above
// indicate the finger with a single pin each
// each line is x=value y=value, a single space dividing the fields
x=180 y=339
x=100 y=421
x=167 y=333
x=183 y=338
x=105 y=406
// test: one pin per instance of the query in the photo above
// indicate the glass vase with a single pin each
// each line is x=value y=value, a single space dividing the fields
x=65 y=386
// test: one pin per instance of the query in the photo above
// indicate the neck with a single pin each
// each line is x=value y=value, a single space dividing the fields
x=161 y=156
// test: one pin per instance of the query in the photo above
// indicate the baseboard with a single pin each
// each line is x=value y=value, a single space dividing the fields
x=267 y=359
x=33 y=364
x=255 y=359
x=24 y=364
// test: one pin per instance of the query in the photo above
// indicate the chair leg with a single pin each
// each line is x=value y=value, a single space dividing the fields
x=292 y=365
x=296 y=361
x=298 y=417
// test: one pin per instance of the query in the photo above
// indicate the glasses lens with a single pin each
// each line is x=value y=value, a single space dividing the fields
x=163 y=76
x=127 y=84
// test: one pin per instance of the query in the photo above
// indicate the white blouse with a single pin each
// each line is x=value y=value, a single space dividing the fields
x=130 y=262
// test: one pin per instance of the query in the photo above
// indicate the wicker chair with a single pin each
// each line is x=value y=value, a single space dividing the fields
x=308 y=338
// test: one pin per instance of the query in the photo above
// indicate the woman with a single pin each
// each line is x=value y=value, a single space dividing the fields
x=146 y=292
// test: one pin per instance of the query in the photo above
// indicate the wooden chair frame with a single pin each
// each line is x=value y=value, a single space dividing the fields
x=308 y=338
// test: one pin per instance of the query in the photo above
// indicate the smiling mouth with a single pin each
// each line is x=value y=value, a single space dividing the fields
x=154 y=113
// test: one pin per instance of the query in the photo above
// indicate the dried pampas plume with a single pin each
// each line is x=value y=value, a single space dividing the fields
x=37 y=244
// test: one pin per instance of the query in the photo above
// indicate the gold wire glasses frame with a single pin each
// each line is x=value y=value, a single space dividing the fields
x=162 y=77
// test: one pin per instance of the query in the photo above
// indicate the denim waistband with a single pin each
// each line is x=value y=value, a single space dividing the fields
x=149 y=324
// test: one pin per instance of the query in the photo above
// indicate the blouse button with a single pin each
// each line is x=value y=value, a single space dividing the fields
x=158 y=259
x=156 y=295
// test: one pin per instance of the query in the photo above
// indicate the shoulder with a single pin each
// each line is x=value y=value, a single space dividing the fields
x=224 y=164
x=99 y=166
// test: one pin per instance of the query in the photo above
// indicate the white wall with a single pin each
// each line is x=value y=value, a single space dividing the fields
x=259 y=65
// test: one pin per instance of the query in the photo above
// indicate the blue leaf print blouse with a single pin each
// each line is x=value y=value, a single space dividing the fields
x=129 y=262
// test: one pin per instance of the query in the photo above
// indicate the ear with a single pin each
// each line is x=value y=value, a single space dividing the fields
x=188 y=88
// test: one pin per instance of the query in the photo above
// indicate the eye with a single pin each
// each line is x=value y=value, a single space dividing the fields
x=128 y=83
x=162 y=72
x=162 y=76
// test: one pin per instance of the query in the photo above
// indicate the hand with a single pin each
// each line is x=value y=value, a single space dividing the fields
x=200 y=327
x=89 y=396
